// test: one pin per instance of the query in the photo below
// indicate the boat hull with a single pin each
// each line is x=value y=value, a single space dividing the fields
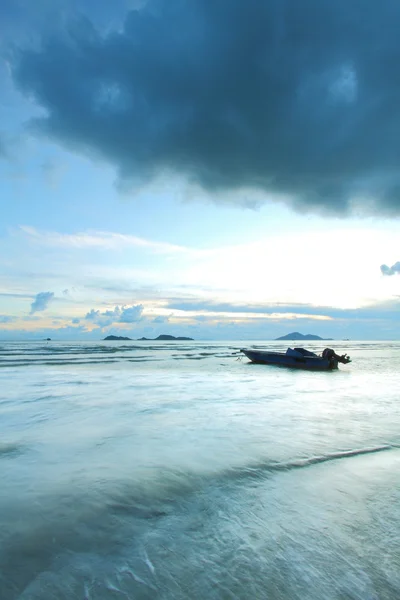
x=308 y=363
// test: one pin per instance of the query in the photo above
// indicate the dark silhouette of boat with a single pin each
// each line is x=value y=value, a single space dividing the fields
x=298 y=358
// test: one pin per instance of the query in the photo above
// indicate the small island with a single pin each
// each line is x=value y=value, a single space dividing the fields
x=165 y=338
x=160 y=338
x=117 y=338
x=299 y=336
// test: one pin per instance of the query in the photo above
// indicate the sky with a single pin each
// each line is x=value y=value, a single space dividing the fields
x=217 y=169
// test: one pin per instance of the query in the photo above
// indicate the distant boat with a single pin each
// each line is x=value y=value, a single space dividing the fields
x=298 y=358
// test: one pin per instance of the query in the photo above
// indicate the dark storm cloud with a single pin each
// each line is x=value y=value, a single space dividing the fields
x=298 y=98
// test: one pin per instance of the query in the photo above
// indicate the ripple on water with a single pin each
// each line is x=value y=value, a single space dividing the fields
x=10 y=450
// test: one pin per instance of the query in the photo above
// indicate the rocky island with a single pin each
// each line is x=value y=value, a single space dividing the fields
x=116 y=338
x=299 y=336
x=165 y=338
x=160 y=338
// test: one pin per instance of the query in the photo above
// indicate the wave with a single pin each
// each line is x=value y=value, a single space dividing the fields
x=66 y=361
x=85 y=358
x=34 y=363
x=154 y=498
x=301 y=463
x=94 y=538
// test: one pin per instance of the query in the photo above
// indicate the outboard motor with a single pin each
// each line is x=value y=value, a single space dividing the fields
x=331 y=355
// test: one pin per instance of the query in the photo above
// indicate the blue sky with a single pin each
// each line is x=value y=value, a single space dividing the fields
x=222 y=170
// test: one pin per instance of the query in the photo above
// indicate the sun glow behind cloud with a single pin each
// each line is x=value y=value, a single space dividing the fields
x=99 y=282
x=339 y=268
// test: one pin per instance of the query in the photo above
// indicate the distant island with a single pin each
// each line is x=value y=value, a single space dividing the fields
x=165 y=338
x=160 y=338
x=299 y=336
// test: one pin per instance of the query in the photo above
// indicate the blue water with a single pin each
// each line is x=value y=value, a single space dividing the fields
x=176 y=471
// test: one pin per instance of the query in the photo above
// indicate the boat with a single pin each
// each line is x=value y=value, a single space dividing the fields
x=298 y=358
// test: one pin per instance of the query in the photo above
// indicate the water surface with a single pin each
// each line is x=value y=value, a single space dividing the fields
x=174 y=470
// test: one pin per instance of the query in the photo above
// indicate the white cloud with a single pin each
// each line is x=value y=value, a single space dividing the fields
x=6 y=319
x=41 y=301
x=393 y=270
x=105 y=240
x=160 y=319
x=123 y=314
x=102 y=319
x=132 y=314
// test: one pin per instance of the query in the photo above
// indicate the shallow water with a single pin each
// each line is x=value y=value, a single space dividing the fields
x=174 y=470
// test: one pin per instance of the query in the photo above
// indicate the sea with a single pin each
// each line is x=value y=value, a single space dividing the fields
x=180 y=470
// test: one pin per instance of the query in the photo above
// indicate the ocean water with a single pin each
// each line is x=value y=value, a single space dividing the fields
x=176 y=471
